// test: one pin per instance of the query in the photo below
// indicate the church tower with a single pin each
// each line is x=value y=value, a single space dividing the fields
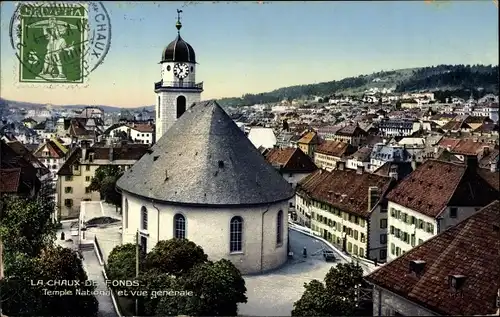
x=177 y=90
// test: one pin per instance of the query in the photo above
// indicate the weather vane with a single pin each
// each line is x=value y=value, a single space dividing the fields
x=178 y=25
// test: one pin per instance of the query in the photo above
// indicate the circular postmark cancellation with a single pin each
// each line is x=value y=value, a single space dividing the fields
x=59 y=42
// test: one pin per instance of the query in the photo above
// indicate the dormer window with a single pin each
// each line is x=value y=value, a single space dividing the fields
x=417 y=267
x=91 y=157
x=456 y=282
x=76 y=167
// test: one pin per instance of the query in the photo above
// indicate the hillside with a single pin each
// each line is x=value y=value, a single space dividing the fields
x=30 y=105
x=456 y=78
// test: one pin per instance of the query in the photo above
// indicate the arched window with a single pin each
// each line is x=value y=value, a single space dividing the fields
x=125 y=213
x=179 y=226
x=236 y=234
x=159 y=105
x=279 y=228
x=181 y=105
x=144 y=218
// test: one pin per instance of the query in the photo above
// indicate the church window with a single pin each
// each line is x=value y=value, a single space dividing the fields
x=180 y=226
x=125 y=213
x=279 y=228
x=236 y=234
x=158 y=110
x=168 y=68
x=192 y=69
x=144 y=215
x=181 y=105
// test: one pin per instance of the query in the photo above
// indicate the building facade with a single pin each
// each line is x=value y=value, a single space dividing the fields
x=353 y=217
x=78 y=170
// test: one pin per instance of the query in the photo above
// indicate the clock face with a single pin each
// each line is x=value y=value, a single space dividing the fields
x=181 y=70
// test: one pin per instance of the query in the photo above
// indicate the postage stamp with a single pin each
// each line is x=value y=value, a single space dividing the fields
x=61 y=42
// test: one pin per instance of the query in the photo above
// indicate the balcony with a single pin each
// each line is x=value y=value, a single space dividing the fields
x=179 y=85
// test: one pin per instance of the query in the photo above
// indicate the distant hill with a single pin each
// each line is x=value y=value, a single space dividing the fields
x=456 y=78
x=30 y=105
x=446 y=80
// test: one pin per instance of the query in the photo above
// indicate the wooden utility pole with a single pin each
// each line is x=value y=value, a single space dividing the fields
x=137 y=251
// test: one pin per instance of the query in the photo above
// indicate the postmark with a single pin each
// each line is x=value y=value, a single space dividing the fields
x=59 y=43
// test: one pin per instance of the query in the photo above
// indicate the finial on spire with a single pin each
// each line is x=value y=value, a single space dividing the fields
x=178 y=25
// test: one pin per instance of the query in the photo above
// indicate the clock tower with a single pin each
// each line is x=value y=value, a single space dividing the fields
x=177 y=90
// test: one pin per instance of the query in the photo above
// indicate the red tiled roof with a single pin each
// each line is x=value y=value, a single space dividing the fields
x=469 y=147
x=493 y=178
x=142 y=127
x=23 y=152
x=54 y=150
x=437 y=184
x=351 y=130
x=448 y=143
x=291 y=160
x=280 y=156
x=77 y=128
x=471 y=249
x=343 y=189
x=124 y=152
x=309 y=138
x=10 y=178
x=335 y=148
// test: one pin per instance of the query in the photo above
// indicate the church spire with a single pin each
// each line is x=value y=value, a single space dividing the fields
x=178 y=25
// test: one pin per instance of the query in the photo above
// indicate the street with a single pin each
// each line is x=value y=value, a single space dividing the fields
x=94 y=271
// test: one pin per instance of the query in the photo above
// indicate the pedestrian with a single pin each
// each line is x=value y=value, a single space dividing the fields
x=304 y=252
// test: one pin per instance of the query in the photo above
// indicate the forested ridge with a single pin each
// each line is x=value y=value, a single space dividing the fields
x=440 y=77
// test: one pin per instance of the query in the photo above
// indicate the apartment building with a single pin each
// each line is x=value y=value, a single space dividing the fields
x=453 y=274
x=136 y=132
x=329 y=153
x=434 y=197
x=347 y=208
x=308 y=143
x=77 y=172
x=351 y=134
x=52 y=153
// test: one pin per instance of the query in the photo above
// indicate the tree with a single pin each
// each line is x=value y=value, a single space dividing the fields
x=26 y=288
x=122 y=262
x=210 y=288
x=153 y=281
x=217 y=288
x=175 y=256
x=337 y=296
x=104 y=181
x=25 y=225
x=63 y=264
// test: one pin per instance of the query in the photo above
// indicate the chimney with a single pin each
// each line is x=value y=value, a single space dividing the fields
x=413 y=165
x=393 y=173
x=84 y=153
x=360 y=170
x=493 y=166
x=111 y=154
x=373 y=197
x=456 y=282
x=471 y=161
x=486 y=151
x=417 y=267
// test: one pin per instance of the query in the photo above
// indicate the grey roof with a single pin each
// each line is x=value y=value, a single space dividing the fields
x=205 y=159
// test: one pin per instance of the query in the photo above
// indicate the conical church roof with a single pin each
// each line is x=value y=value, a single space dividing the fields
x=205 y=159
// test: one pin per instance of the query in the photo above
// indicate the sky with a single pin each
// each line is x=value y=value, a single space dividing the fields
x=251 y=47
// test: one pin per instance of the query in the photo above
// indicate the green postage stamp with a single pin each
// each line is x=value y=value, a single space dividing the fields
x=61 y=42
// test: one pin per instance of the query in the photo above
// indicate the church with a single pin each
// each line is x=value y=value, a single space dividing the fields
x=204 y=180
